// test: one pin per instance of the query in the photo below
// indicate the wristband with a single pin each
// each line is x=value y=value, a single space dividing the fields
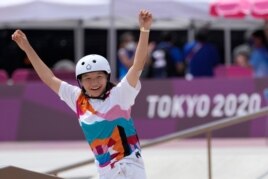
x=142 y=29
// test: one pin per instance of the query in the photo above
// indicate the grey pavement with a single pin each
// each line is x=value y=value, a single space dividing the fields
x=187 y=159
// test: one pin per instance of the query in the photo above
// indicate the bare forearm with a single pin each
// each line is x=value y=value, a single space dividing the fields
x=142 y=51
x=40 y=67
x=141 y=55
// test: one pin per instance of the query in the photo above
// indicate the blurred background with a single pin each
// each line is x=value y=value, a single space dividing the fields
x=207 y=61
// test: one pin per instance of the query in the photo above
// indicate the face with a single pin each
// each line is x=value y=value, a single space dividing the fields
x=94 y=83
x=129 y=43
x=241 y=60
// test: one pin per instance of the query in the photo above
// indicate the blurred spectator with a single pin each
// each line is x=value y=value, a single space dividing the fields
x=242 y=59
x=166 y=58
x=259 y=54
x=265 y=29
x=64 y=65
x=126 y=52
x=243 y=49
x=201 y=56
x=147 y=66
x=3 y=76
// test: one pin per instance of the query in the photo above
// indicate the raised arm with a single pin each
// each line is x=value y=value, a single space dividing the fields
x=145 y=21
x=40 y=67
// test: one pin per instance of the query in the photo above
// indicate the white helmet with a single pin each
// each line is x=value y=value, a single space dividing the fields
x=91 y=63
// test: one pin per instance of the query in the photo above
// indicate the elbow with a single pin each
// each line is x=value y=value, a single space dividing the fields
x=137 y=68
x=48 y=80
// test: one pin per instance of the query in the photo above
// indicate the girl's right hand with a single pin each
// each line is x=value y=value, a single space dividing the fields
x=20 y=38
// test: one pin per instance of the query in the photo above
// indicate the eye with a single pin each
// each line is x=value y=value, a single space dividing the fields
x=83 y=63
x=94 y=61
x=86 y=78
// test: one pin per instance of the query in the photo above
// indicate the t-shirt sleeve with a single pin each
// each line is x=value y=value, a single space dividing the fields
x=69 y=94
x=124 y=94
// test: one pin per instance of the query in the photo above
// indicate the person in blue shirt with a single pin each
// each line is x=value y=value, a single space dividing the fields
x=259 y=54
x=200 y=56
x=166 y=58
x=125 y=54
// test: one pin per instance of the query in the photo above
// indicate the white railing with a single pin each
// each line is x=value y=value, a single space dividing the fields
x=207 y=129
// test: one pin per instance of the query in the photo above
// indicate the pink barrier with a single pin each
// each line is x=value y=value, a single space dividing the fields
x=31 y=111
x=232 y=72
x=23 y=75
x=3 y=76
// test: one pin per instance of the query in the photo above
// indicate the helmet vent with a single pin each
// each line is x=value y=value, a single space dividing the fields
x=88 y=67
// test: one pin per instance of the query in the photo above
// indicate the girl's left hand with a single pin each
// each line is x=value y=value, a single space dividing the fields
x=145 y=19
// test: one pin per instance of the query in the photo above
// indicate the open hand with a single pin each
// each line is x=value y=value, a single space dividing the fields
x=20 y=38
x=145 y=19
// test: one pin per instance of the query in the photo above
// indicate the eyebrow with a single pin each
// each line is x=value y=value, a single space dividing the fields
x=98 y=73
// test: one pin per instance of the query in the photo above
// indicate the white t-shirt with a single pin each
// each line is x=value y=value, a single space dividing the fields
x=107 y=124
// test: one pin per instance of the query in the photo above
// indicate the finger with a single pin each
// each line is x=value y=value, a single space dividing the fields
x=14 y=36
x=18 y=31
x=143 y=12
x=147 y=14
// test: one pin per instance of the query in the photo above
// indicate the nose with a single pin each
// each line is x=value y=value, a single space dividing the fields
x=94 y=81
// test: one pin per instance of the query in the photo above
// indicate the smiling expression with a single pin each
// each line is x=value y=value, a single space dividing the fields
x=94 y=83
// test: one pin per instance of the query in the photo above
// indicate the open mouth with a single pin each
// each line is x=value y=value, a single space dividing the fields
x=95 y=88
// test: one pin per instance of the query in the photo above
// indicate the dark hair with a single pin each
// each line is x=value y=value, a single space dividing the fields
x=126 y=35
x=260 y=35
x=201 y=35
x=168 y=36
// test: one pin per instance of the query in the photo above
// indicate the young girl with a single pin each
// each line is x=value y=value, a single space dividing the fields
x=103 y=108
